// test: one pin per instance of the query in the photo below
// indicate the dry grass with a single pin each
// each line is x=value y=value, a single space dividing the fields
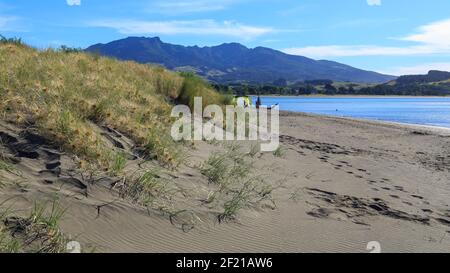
x=65 y=93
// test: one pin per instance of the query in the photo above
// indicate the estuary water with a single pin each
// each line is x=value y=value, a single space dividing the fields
x=432 y=111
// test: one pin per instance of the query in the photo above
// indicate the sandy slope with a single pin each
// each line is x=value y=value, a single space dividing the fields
x=340 y=184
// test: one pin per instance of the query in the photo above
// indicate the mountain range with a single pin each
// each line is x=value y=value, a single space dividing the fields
x=234 y=63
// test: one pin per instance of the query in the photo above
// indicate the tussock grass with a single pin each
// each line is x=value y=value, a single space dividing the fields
x=144 y=187
x=118 y=164
x=64 y=93
x=14 y=41
x=254 y=150
x=238 y=201
x=237 y=187
x=195 y=87
x=37 y=233
x=279 y=152
x=5 y=165
x=222 y=167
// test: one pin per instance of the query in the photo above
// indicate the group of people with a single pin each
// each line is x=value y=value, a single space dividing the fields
x=245 y=102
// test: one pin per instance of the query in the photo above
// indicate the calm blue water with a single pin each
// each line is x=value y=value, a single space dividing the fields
x=423 y=111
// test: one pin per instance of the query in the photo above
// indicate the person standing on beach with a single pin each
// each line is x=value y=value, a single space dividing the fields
x=258 y=102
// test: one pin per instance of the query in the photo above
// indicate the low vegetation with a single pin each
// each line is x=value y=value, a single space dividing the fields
x=435 y=83
x=37 y=233
x=195 y=87
x=237 y=187
x=279 y=152
x=144 y=187
x=65 y=94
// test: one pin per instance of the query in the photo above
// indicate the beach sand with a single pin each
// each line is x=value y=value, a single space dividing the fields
x=339 y=184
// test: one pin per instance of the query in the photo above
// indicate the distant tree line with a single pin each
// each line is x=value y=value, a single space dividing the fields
x=292 y=90
x=329 y=88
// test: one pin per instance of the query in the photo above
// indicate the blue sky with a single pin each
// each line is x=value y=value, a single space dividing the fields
x=390 y=36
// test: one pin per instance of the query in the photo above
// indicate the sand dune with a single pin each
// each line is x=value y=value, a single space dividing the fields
x=340 y=184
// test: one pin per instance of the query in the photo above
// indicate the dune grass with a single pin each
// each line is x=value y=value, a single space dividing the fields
x=37 y=233
x=144 y=187
x=279 y=152
x=118 y=164
x=237 y=186
x=5 y=165
x=193 y=87
x=64 y=94
x=221 y=167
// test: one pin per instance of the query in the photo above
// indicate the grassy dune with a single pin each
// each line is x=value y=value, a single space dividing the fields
x=63 y=93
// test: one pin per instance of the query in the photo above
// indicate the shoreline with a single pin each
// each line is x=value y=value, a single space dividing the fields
x=346 y=96
x=337 y=184
x=417 y=125
x=374 y=121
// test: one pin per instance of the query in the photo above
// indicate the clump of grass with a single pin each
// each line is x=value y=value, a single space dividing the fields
x=7 y=243
x=238 y=201
x=194 y=86
x=5 y=165
x=237 y=187
x=224 y=166
x=216 y=168
x=254 y=150
x=13 y=41
x=37 y=233
x=248 y=193
x=144 y=188
x=279 y=152
x=67 y=49
x=118 y=163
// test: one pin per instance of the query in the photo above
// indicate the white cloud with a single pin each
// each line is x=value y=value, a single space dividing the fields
x=416 y=69
x=73 y=2
x=359 y=50
x=8 y=23
x=436 y=33
x=374 y=2
x=195 y=27
x=430 y=39
x=189 y=6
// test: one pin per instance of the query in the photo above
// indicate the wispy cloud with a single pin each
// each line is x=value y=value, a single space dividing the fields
x=359 y=50
x=374 y=2
x=73 y=2
x=429 y=39
x=195 y=27
x=9 y=23
x=436 y=33
x=175 y=7
x=416 y=69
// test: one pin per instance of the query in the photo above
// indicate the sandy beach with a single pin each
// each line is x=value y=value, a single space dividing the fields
x=338 y=184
